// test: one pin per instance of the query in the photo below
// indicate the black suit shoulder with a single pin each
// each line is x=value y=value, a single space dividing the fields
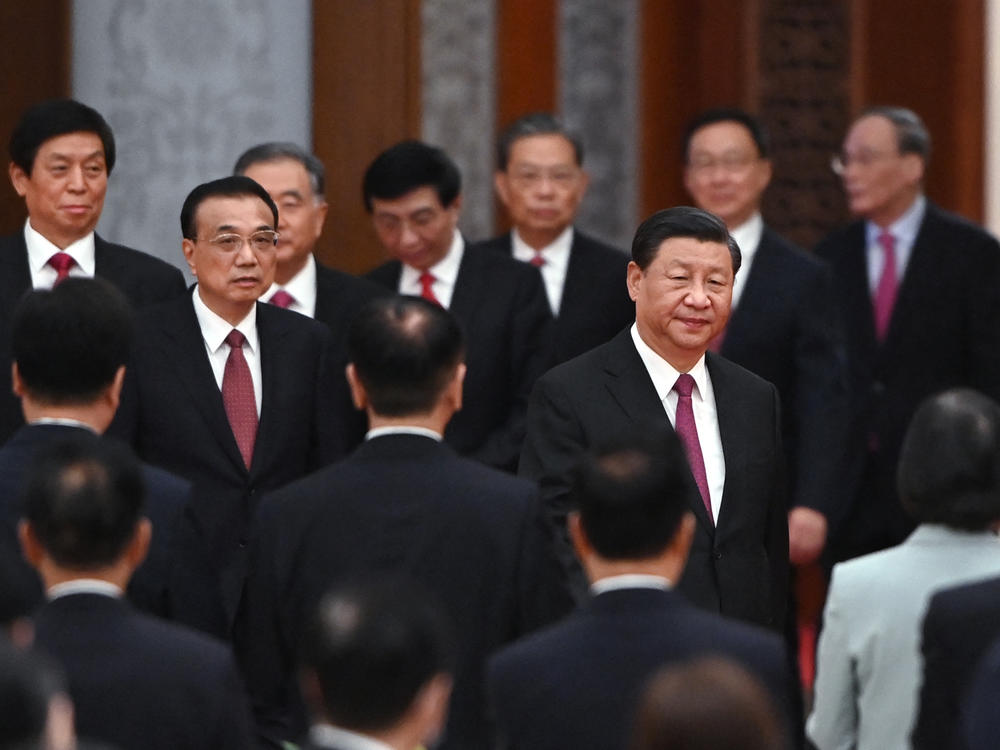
x=340 y=295
x=143 y=278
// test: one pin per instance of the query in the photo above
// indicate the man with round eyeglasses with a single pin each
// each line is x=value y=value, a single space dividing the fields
x=917 y=287
x=235 y=395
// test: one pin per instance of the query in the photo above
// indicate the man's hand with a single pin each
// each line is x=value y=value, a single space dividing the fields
x=806 y=535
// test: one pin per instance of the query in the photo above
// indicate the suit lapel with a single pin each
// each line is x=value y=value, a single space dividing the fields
x=763 y=273
x=270 y=334
x=632 y=388
x=733 y=429
x=184 y=347
x=858 y=310
x=470 y=290
x=917 y=284
x=575 y=293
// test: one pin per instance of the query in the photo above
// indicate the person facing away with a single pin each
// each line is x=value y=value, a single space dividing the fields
x=137 y=682
x=868 y=662
x=377 y=667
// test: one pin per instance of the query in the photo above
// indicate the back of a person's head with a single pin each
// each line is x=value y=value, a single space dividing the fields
x=706 y=704
x=28 y=685
x=409 y=165
x=69 y=341
x=405 y=351
x=83 y=498
x=51 y=119
x=372 y=647
x=632 y=494
x=949 y=465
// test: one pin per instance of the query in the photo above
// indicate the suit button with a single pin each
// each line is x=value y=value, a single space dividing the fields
x=716 y=555
x=243 y=543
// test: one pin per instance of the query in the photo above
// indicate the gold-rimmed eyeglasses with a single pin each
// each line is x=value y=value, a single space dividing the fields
x=259 y=242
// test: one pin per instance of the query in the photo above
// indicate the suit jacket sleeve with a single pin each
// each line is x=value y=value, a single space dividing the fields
x=939 y=694
x=834 y=719
x=530 y=347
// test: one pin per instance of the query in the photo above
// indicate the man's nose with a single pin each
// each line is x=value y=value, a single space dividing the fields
x=75 y=180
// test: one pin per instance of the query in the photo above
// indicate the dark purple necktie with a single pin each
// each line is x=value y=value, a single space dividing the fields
x=238 y=397
x=62 y=262
x=687 y=431
x=888 y=285
x=281 y=298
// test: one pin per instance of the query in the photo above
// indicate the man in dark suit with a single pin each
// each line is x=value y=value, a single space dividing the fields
x=404 y=502
x=61 y=154
x=783 y=326
x=917 y=287
x=413 y=193
x=136 y=681
x=378 y=658
x=960 y=626
x=295 y=179
x=681 y=279
x=541 y=182
x=234 y=395
x=70 y=345
x=577 y=684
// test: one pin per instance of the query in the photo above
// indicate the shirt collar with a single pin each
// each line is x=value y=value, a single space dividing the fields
x=327 y=735
x=63 y=422
x=747 y=236
x=555 y=254
x=302 y=286
x=904 y=229
x=40 y=249
x=214 y=328
x=629 y=581
x=402 y=430
x=84 y=586
x=444 y=271
x=663 y=373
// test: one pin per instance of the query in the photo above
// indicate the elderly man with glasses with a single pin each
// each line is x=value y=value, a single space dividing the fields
x=918 y=288
x=234 y=395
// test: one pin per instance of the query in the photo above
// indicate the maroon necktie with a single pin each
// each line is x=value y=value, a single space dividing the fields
x=238 y=398
x=427 y=288
x=885 y=293
x=537 y=261
x=62 y=262
x=686 y=430
x=281 y=298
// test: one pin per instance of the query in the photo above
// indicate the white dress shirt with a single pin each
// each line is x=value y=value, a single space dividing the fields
x=445 y=272
x=302 y=287
x=403 y=430
x=43 y=276
x=327 y=735
x=747 y=236
x=556 y=257
x=904 y=230
x=706 y=418
x=214 y=331
x=629 y=581
x=84 y=586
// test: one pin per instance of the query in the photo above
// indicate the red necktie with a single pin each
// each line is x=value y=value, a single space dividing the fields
x=62 y=262
x=885 y=293
x=281 y=298
x=238 y=397
x=687 y=431
x=427 y=288
x=537 y=261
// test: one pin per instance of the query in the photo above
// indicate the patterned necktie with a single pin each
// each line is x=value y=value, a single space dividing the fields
x=62 y=262
x=537 y=261
x=687 y=431
x=427 y=280
x=281 y=298
x=238 y=397
x=885 y=293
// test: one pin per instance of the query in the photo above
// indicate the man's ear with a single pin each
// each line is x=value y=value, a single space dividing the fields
x=114 y=390
x=358 y=393
x=31 y=548
x=16 y=384
x=502 y=185
x=18 y=178
x=138 y=546
x=581 y=544
x=456 y=385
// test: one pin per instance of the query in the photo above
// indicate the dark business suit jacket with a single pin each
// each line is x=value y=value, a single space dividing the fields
x=140 y=683
x=400 y=504
x=576 y=684
x=174 y=582
x=981 y=720
x=595 y=303
x=785 y=329
x=142 y=278
x=501 y=306
x=944 y=332
x=960 y=625
x=740 y=566
x=172 y=414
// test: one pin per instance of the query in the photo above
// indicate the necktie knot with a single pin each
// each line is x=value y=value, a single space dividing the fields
x=887 y=242
x=684 y=385
x=281 y=298
x=62 y=263
x=537 y=261
x=235 y=339
x=427 y=280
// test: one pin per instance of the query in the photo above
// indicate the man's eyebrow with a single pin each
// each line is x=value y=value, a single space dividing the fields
x=291 y=194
